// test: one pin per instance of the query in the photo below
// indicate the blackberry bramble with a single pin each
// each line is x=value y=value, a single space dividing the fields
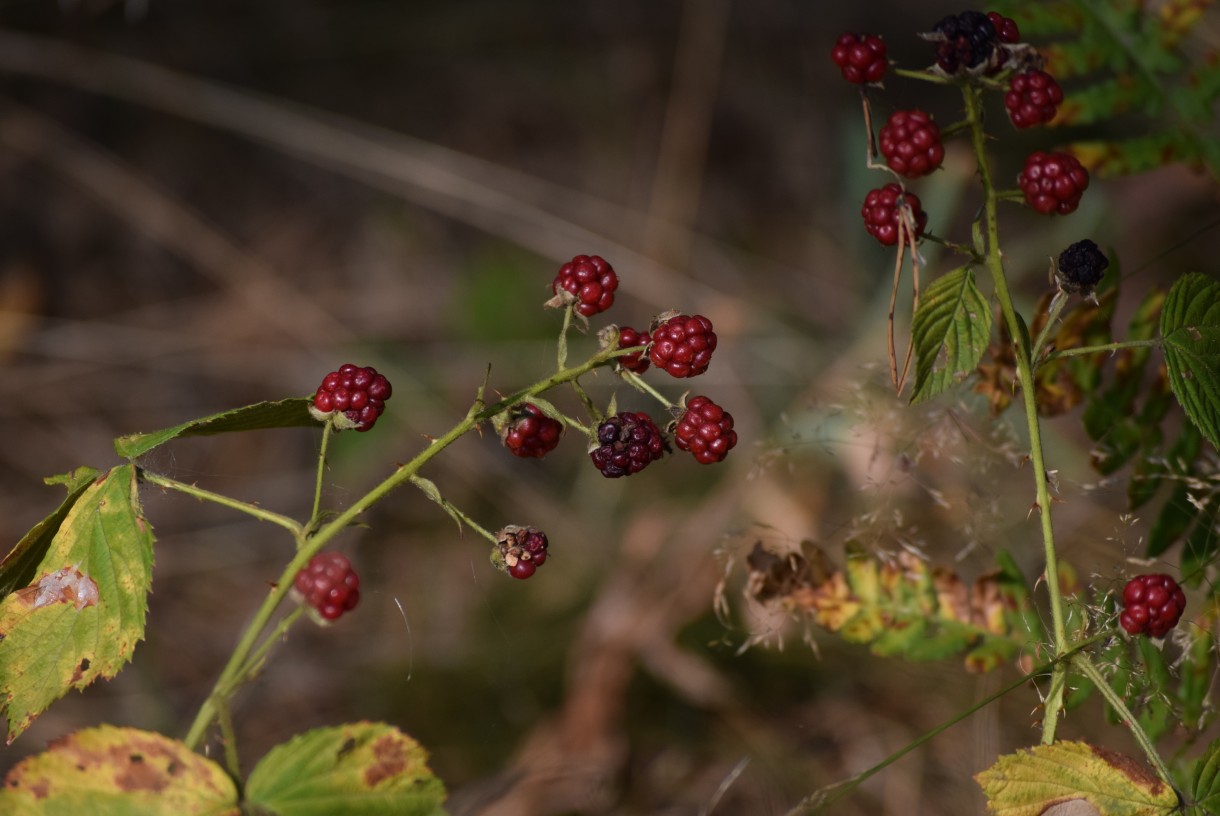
x=359 y=394
x=329 y=585
x=1152 y=605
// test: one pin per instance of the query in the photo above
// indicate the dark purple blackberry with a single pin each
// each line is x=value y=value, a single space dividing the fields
x=966 y=41
x=626 y=444
x=522 y=550
x=1081 y=267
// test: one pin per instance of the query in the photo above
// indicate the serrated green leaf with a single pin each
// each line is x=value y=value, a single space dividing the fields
x=19 y=566
x=108 y=771
x=1205 y=779
x=1029 y=782
x=1190 y=327
x=950 y=331
x=83 y=615
x=365 y=769
x=289 y=413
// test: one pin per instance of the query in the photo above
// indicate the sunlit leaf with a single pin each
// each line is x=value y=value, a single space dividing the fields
x=949 y=332
x=1190 y=327
x=108 y=771
x=369 y=769
x=289 y=413
x=82 y=615
x=18 y=567
x=1029 y=782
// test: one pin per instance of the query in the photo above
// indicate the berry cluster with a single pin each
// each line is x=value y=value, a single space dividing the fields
x=627 y=443
x=531 y=433
x=910 y=142
x=1152 y=605
x=357 y=393
x=1033 y=98
x=706 y=430
x=1080 y=267
x=520 y=551
x=329 y=585
x=1053 y=182
x=883 y=214
x=589 y=282
x=861 y=57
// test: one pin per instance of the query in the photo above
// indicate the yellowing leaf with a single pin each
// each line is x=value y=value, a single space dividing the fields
x=81 y=617
x=1031 y=782
x=108 y=771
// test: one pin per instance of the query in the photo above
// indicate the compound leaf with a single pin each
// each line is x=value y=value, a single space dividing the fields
x=1031 y=781
x=359 y=768
x=1190 y=328
x=289 y=413
x=82 y=616
x=109 y=771
x=950 y=331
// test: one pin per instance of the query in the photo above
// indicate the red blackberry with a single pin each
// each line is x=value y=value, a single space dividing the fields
x=531 y=433
x=1032 y=98
x=861 y=57
x=357 y=393
x=626 y=444
x=630 y=338
x=1053 y=182
x=683 y=345
x=964 y=41
x=881 y=213
x=329 y=585
x=1080 y=267
x=521 y=550
x=1006 y=30
x=590 y=281
x=910 y=142
x=1152 y=605
x=706 y=430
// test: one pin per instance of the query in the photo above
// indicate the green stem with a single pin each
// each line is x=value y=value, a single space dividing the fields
x=1154 y=342
x=1052 y=314
x=327 y=429
x=228 y=737
x=637 y=382
x=232 y=673
x=206 y=495
x=1025 y=375
x=1086 y=667
x=255 y=661
x=429 y=490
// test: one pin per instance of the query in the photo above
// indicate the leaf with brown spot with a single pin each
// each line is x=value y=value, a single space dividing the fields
x=108 y=771
x=366 y=768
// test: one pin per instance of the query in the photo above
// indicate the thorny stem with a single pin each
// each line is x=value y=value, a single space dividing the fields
x=229 y=738
x=317 y=490
x=206 y=495
x=1025 y=375
x=1110 y=347
x=637 y=382
x=239 y=662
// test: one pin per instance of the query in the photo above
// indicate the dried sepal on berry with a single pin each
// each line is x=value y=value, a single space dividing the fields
x=519 y=551
x=587 y=283
x=1080 y=268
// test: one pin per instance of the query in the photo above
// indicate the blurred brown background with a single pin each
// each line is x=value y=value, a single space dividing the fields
x=207 y=204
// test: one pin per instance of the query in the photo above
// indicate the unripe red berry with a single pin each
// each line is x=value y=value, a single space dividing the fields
x=329 y=585
x=590 y=281
x=1053 y=182
x=1033 y=98
x=882 y=214
x=358 y=393
x=1152 y=605
x=706 y=430
x=531 y=433
x=910 y=142
x=683 y=345
x=1006 y=29
x=861 y=57
x=630 y=338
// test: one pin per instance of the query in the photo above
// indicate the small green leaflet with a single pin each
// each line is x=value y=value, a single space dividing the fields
x=1190 y=328
x=289 y=413
x=950 y=330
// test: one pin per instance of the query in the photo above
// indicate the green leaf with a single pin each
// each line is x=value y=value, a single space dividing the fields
x=950 y=331
x=108 y=771
x=365 y=769
x=82 y=616
x=1030 y=782
x=1190 y=327
x=18 y=567
x=289 y=413
x=1205 y=779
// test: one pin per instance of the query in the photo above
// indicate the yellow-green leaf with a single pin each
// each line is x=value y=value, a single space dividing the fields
x=82 y=615
x=17 y=568
x=1029 y=782
x=289 y=413
x=950 y=332
x=108 y=771
x=370 y=769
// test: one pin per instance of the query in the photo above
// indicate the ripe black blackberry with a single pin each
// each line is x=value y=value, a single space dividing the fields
x=1152 y=605
x=683 y=345
x=706 y=430
x=627 y=443
x=521 y=550
x=529 y=433
x=357 y=393
x=964 y=41
x=590 y=283
x=882 y=213
x=910 y=142
x=329 y=585
x=1080 y=267
x=1053 y=182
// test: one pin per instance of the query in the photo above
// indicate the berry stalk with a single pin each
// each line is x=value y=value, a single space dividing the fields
x=1025 y=375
